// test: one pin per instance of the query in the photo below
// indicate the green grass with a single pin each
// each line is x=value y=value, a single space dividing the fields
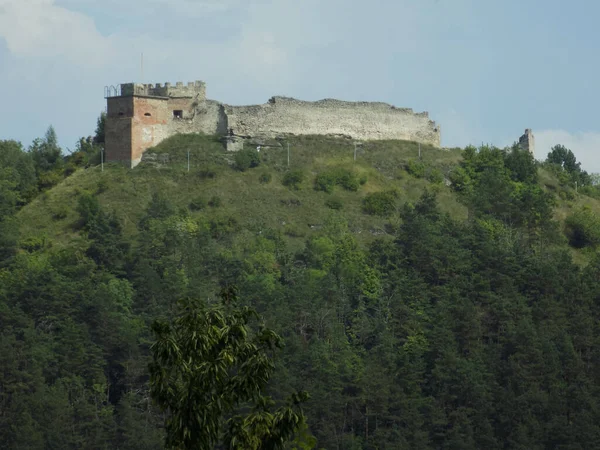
x=255 y=205
x=258 y=205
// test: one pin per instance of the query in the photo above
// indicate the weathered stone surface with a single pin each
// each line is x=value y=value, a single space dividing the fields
x=358 y=120
x=527 y=141
x=143 y=115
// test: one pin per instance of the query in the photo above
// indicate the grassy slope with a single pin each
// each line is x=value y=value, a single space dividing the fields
x=256 y=205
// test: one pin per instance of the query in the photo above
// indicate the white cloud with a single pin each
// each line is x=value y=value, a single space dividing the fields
x=585 y=146
x=41 y=29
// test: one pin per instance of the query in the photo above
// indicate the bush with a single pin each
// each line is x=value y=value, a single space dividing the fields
x=206 y=174
x=293 y=231
x=215 y=201
x=293 y=179
x=102 y=185
x=416 y=168
x=334 y=203
x=436 y=176
x=362 y=180
x=349 y=181
x=222 y=227
x=582 y=229
x=380 y=203
x=34 y=244
x=60 y=213
x=326 y=181
x=246 y=159
x=265 y=178
x=291 y=202
x=198 y=204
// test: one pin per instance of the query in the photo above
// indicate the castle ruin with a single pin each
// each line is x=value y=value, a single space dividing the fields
x=140 y=116
x=527 y=141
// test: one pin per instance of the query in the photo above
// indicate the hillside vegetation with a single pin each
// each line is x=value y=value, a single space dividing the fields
x=443 y=301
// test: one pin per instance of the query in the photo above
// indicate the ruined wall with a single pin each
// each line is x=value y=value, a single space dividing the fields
x=527 y=141
x=143 y=115
x=206 y=117
x=359 y=120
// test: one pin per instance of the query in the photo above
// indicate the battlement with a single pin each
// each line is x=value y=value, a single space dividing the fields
x=180 y=90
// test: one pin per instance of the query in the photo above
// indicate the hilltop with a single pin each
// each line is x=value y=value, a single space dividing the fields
x=440 y=300
x=256 y=197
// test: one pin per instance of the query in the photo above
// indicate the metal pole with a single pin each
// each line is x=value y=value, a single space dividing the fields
x=288 y=146
x=142 y=80
x=419 y=150
x=355 y=151
x=102 y=159
x=188 y=160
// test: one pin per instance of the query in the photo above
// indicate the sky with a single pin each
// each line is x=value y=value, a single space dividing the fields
x=484 y=69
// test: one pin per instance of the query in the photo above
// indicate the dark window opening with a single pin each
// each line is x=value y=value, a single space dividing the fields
x=147 y=114
x=178 y=114
x=121 y=113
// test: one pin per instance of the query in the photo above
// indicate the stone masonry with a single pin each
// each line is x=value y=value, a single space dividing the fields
x=527 y=141
x=143 y=115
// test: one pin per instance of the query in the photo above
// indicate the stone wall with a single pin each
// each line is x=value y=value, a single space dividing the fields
x=358 y=120
x=143 y=115
x=207 y=117
x=527 y=141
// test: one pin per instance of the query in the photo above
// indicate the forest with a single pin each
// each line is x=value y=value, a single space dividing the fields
x=448 y=302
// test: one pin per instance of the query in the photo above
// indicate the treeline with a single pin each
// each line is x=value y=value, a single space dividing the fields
x=445 y=334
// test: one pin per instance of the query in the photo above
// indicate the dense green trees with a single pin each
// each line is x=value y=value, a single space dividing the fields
x=479 y=333
x=206 y=366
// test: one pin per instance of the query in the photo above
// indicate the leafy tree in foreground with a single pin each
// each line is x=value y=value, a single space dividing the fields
x=209 y=371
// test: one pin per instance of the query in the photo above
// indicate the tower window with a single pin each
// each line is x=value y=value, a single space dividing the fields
x=178 y=114
x=121 y=113
x=147 y=114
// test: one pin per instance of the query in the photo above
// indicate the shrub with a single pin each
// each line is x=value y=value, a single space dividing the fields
x=246 y=159
x=334 y=203
x=223 y=226
x=362 y=180
x=293 y=231
x=33 y=244
x=70 y=169
x=206 y=174
x=198 y=204
x=265 y=178
x=293 y=179
x=349 y=181
x=102 y=185
x=416 y=168
x=60 y=213
x=380 y=203
x=327 y=180
x=215 y=201
x=582 y=229
x=436 y=176
x=88 y=208
x=291 y=202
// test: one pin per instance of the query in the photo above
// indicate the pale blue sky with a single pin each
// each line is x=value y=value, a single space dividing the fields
x=485 y=70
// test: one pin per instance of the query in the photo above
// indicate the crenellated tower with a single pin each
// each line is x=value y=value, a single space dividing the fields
x=140 y=116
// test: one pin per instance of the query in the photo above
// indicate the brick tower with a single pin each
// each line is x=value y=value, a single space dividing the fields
x=140 y=116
